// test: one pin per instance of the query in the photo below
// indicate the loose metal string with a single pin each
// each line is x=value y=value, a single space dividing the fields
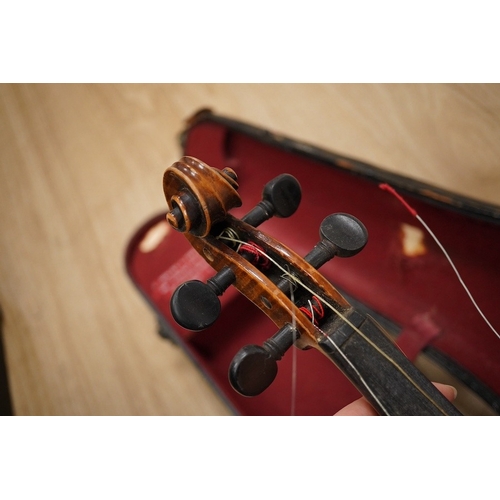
x=390 y=189
x=294 y=357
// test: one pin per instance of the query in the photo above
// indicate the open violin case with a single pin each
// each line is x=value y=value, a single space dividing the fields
x=401 y=277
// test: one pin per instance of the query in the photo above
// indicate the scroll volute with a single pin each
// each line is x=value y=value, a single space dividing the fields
x=198 y=195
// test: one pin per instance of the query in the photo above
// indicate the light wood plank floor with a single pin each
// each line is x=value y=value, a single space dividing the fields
x=81 y=169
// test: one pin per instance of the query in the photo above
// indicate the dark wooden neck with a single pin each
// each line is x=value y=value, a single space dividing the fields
x=380 y=371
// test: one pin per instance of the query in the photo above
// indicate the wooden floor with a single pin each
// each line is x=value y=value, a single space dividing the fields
x=81 y=169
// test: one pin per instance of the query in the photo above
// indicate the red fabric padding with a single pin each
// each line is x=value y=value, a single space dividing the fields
x=419 y=293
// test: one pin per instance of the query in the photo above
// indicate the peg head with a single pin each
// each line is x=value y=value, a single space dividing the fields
x=284 y=194
x=195 y=305
x=345 y=232
x=252 y=370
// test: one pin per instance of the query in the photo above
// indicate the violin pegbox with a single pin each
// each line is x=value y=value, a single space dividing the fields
x=254 y=368
x=199 y=197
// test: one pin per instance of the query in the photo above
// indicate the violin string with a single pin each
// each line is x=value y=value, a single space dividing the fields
x=366 y=339
x=390 y=189
x=294 y=357
x=346 y=320
x=382 y=407
x=312 y=311
x=434 y=237
x=346 y=359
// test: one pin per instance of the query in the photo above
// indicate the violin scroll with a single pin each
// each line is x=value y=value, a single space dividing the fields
x=198 y=196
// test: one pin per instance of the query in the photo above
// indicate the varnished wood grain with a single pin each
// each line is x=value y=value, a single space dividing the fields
x=81 y=167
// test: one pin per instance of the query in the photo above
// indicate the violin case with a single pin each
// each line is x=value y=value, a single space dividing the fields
x=401 y=277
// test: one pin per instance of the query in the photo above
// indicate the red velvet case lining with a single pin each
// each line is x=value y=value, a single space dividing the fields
x=421 y=294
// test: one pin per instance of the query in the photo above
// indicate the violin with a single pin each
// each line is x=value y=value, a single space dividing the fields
x=305 y=307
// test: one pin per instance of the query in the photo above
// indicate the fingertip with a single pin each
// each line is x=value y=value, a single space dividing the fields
x=455 y=392
x=449 y=391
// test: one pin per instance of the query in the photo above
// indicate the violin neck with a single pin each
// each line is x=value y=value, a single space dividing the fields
x=380 y=371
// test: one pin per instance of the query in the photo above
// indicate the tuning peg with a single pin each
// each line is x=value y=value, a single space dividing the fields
x=342 y=235
x=280 y=197
x=254 y=368
x=195 y=305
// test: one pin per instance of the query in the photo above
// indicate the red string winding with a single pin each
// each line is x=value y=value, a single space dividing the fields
x=319 y=312
x=259 y=258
